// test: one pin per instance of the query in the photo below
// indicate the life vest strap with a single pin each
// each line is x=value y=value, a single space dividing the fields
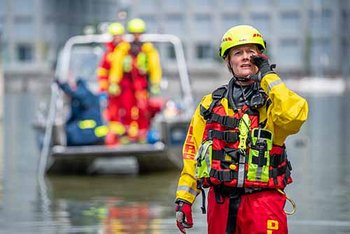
x=217 y=95
x=224 y=120
x=227 y=136
x=220 y=154
x=279 y=171
x=224 y=176
x=229 y=175
x=261 y=133
x=277 y=159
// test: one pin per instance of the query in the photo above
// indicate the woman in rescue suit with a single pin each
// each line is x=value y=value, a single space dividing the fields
x=235 y=144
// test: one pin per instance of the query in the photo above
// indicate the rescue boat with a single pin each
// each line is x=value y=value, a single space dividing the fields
x=79 y=58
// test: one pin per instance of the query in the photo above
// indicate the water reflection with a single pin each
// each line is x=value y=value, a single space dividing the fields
x=112 y=204
x=144 y=204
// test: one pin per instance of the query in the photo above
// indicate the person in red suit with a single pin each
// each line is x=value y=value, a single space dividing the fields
x=109 y=90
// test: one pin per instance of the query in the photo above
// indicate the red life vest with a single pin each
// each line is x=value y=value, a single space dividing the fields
x=233 y=165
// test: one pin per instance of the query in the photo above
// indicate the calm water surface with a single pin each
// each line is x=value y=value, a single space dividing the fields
x=144 y=204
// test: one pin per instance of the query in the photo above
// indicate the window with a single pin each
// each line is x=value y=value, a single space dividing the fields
x=24 y=7
x=345 y=66
x=229 y=21
x=202 y=25
x=261 y=22
x=232 y=3
x=150 y=5
x=2 y=8
x=321 y=3
x=289 y=3
x=204 y=51
x=202 y=4
x=171 y=51
x=5 y=54
x=175 y=25
x=289 y=53
x=263 y=3
x=174 y=4
x=345 y=19
x=24 y=28
x=320 y=52
x=24 y=53
x=320 y=20
x=290 y=22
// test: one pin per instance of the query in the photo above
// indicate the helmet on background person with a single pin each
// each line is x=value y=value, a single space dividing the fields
x=241 y=35
x=136 y=25
x=116 y=29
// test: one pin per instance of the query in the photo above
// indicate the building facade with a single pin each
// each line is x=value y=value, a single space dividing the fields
x=304 y=37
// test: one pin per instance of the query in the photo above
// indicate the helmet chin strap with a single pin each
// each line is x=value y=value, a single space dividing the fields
x=247 y=80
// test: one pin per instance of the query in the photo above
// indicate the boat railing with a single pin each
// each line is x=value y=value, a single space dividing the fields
x=45 y=151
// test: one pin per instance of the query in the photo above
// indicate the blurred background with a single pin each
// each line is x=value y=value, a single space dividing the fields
x=307 y=39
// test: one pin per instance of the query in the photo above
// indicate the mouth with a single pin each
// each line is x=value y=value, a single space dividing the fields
x=245 y=66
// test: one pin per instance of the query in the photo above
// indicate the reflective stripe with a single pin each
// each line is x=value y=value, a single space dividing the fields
x=127 y=63
x=88 y=123
x=101 y=131
x=187 y=189
x=274 y=83
x=117 y=128
x=241 y=171
x=141 y=62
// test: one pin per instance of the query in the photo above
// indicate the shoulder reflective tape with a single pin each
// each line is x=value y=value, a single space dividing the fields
x=274 y=83
x=187 y=189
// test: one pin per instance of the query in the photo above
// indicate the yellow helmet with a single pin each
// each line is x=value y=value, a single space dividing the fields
x=136 y=26
x=241 y=35
x=116 y=29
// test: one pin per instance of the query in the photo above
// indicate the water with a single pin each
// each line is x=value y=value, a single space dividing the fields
x=144 y=204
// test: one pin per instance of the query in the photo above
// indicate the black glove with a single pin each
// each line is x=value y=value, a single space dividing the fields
x=262 y=62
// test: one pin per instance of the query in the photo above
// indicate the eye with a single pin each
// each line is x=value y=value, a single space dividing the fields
x=252 y=52
x=236 y=53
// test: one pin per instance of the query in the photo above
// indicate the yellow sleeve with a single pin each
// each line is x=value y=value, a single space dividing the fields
x=154 y=67
x=117 y=58
x=288 y=110
x=187 y=186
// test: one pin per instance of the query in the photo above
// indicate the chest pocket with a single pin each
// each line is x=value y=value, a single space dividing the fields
x=259 y=155
x=204 y=160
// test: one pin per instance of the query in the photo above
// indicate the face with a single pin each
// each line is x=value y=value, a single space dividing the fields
x=117 y=39
x=239 y=60
x=137 y=36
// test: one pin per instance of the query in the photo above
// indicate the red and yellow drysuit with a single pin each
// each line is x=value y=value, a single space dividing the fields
x=104 y=74
x=135 y=69
x=105 y=66
x=240 y=167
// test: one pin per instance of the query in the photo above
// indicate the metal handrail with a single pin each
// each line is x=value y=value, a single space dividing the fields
x=45 y=151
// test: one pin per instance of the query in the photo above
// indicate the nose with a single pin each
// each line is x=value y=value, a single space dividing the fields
x=246 y=56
